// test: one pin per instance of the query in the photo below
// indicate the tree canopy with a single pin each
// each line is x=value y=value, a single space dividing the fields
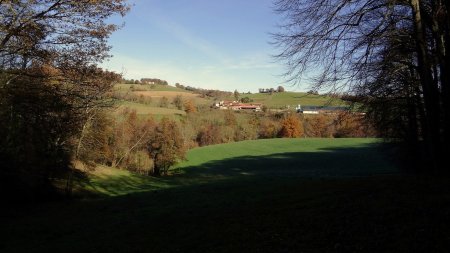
x=392 y=54
x=50 y=86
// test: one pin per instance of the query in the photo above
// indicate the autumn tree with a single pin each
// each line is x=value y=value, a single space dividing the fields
x=178 y=102
x=189 y=106
x=318 y=125
x=166 y=146
x=49 y=82
x=268 y=129
x=92 y=144
x=128 y=140
x=291 y=127
x=209 y=134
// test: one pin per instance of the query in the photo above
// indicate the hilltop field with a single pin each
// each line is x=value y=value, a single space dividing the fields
x=280 y=195
x=282 y=99
x=146 y=99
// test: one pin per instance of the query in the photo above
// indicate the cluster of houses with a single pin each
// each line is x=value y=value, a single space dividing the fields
x=236 y=105
x=256 y=107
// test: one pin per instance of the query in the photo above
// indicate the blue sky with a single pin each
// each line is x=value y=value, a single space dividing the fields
x=202 y=43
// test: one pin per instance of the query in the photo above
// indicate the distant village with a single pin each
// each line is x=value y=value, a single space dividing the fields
x=236 y=105
x=257 y=107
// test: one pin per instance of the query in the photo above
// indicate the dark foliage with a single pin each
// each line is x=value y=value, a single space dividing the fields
x=49 y=84
x=392 y=56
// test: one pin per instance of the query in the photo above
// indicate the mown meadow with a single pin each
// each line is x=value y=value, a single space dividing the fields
x=280 y=195
x=282 y=99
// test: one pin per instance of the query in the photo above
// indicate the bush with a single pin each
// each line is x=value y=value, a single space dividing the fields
x=164 y=102
x=352 y=125
x=291 y=127
x=268 y=129
x=189 y=106
x=209 y=135
x=178 y=102
x=321 y=125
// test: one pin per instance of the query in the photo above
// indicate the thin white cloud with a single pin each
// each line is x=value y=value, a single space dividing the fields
x=182 y=34
x=255 y=61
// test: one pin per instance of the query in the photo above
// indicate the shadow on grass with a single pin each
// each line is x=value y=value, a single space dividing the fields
x=115 y=185
x=331 y=162
x=291 y=202
x=360 y=161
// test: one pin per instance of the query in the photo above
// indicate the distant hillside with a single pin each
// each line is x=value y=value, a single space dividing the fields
x=146 y=99
x=283 y=99
x=276 y=100
x=147 y=87
x=143 y=109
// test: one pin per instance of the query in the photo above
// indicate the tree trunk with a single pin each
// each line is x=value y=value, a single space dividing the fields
x=156 y=171
x=430 y=91
x=445 y=75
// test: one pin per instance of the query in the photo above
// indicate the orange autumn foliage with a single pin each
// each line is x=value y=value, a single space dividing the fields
x=291 y=127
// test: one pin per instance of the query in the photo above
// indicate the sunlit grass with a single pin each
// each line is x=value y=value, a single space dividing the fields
x=283 y=99
x=317 y=158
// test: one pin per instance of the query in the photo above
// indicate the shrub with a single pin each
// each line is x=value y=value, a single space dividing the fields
x=209 y=135
x=229 y=118
x=268 y=129
x=178 y=102
x=291 y=127
x=164 y=102
x=319 y=125
x=189 y=106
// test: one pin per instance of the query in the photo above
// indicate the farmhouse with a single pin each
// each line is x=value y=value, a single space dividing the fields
x=235 y=105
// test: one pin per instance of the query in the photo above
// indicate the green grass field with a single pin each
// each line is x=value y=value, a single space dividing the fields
x=156 y=93
x=298 y=157
x=274 y=101
x=280 y=100
x=282 y=195
x=307 y=158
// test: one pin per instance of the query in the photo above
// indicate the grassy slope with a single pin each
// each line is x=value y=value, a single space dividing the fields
x=276 y=100
x=153 y=108
x=299 y=157
x=143 y=109
x=280 y=100
x=261 y=158
x=214 y=207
